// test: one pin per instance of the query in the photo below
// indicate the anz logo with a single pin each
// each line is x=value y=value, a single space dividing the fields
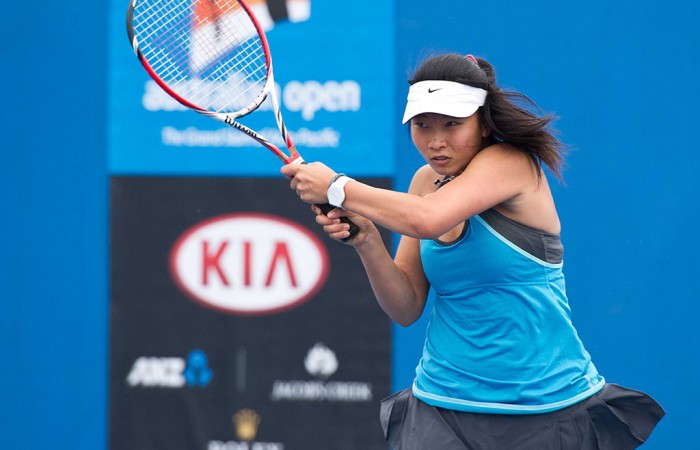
x=171 y=372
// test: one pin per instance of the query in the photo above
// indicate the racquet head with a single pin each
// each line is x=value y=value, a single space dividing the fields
x=210 y=55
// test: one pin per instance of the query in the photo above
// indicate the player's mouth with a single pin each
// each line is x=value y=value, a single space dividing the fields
x=440 y=160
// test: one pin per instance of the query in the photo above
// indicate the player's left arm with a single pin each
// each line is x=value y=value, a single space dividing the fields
x=495 y=175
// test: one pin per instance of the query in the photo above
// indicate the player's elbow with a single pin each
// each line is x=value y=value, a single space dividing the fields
x=404 y=318
x=404 y=313
x=425 y=227
x=408 y=314
x=406 y=322
x=424 y=221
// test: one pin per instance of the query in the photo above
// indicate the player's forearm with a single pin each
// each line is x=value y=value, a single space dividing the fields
x=391 y=286
x=409 y=215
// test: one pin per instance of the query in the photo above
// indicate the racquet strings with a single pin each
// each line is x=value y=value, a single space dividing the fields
x=208 y=52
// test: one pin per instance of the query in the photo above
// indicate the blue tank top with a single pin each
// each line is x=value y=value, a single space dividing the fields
x=500 y=337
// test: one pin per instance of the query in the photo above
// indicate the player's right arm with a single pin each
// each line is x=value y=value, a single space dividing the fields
x=399 y=284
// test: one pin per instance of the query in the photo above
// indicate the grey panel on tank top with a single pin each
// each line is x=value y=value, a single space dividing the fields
x=545 y=246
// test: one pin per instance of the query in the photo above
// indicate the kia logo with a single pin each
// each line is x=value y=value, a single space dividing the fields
x=249 y=263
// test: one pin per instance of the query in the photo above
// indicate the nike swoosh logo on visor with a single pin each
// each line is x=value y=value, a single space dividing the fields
x=430 y=91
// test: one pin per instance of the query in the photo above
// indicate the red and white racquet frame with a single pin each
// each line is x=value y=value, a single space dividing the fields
x=229 y=118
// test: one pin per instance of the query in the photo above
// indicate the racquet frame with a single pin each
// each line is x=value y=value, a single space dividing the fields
x=230 y=118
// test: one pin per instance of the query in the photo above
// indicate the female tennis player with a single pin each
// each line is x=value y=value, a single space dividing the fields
x=503 y=368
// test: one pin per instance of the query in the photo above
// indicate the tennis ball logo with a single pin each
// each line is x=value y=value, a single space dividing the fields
x=249 y=263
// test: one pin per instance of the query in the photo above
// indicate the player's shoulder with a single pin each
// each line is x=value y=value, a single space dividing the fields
x=504 y=152
x=503 y=158
x=423 y=180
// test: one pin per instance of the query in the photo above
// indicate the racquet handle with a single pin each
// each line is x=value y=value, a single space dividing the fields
x=325 y=208
x=354 y=229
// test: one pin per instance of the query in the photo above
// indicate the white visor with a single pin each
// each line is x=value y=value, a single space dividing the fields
x=443 y=97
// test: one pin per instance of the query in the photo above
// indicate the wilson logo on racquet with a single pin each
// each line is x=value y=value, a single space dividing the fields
x=249 y=264
x=238 y=126
x=231 y=121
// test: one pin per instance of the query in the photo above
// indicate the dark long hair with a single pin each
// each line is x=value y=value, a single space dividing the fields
x=508 y=121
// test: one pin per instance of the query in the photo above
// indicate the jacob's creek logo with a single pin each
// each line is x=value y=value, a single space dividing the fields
x=171 y=372
x=321 y=362
x=249 y=264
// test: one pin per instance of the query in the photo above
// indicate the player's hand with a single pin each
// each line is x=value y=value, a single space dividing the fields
x=339 y=230
x=309 y=181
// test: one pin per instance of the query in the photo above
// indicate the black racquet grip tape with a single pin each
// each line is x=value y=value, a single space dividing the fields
x=326 y=208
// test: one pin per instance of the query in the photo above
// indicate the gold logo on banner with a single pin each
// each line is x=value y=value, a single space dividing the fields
x=246 y=422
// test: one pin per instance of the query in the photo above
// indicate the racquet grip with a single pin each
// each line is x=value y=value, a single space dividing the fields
x=354 y=229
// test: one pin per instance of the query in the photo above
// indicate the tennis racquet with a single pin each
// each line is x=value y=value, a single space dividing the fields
x=211 y=56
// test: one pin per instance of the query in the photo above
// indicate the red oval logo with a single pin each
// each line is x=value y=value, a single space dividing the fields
x=249 y=263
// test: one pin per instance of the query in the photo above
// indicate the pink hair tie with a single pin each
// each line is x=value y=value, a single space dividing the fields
x=473 y=59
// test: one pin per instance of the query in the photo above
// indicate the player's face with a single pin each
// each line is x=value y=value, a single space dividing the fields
x=447 y=143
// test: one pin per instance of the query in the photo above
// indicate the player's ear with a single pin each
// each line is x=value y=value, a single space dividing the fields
x=483 y=126
x=485 y=129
